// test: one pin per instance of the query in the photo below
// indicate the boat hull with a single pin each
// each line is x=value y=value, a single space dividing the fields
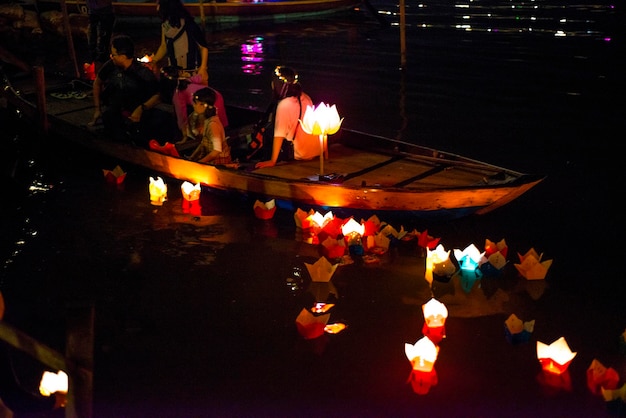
x=372 y=174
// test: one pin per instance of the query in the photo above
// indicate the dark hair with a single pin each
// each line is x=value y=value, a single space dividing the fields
x=286 y=83
x=207 y=96
x=173 y=11
x=124 y=45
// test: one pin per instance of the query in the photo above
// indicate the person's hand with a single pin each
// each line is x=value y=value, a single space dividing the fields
x=97 y=114
x=203 y=72
x=264 y=164
x=136 y=115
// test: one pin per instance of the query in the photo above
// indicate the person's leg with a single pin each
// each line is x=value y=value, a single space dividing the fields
x=107 y=21
x=92 y=36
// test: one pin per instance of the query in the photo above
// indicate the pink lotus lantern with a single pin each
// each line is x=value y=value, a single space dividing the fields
x=599 y=377
x=264 y=210
x=556 y=357
x=158 y=191
x=435 y=315
x=115 y=176
x=191 y=198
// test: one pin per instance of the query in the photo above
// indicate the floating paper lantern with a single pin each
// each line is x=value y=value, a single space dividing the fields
x=469 y=257
x=556 y=357
x=191 y=198
x=531 y=266
x=333 y=248
x=264 y=210
x=53 y=382
x=517 y=331
x=115 y=176
x=422 y=354
x=352 y=232
x=438 y=263
x=426 y=241
x=600 y=377
x=335 y=328
x=421 y=382
x=435 y=315
x=158 y=191
x=301 y=218
x=311 y=326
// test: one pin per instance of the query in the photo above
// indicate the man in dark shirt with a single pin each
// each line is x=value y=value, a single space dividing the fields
x=124 y=93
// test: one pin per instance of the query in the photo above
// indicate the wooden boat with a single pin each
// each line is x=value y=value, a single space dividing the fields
x=227 y=11
x=372 y=173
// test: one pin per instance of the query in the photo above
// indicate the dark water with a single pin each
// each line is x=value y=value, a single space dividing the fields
x=195 y=317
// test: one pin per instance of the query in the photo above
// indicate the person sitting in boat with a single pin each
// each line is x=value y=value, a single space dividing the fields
x=206 y=125
x=289 y=140
x=184 y=44
x=124 y=94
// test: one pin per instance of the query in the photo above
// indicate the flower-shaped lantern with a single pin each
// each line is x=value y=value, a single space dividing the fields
x=115 y=176
x=516 y=331
x=264 y=210
x=53 y=382
x=191 y=198
x=556 y=357
x=322 y=120
x=352 y=232
x=435 y=315
x=158 y=191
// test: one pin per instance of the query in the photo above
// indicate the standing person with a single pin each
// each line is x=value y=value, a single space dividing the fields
x=289 y=141
x=204 y=123
x=184 y=44
x=101 y=21
x=124 y=94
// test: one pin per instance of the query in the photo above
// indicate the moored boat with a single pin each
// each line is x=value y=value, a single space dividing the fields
x=232 y=11
x=369 y=173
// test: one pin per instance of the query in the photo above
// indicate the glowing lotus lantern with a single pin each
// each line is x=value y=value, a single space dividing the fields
x=321 y=287
x=353 y=231
x=333 y=248
x=496 y=247
x=264 y=210
x=191 y=198
x=422 y=354
x=322 y=120
x=599 y=377
x=613 y=394
x=158 y=191
x=377 y=244
x=438 y=263
x=115 y=176
x=556 y=357
x=517 y=331
x=53 y=382
x=371 y=226
x=531 y=266
x=311 y=326
x=468 y=258
x=302 y=219
x=335 y=328
x=435 y=314
x=318 y=220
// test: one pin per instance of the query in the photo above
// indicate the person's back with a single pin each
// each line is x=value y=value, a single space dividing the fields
x=289 y=140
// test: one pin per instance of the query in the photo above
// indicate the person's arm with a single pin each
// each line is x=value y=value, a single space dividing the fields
x=203 y=70
x=160 y=53
x=277 y=144
x=97 y=113
x=148 y=104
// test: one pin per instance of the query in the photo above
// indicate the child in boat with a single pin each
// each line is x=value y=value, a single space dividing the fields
x=204 y=123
